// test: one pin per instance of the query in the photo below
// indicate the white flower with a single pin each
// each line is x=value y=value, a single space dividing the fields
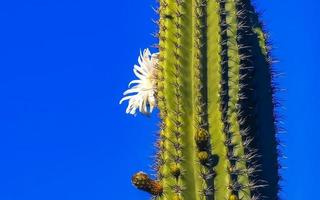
x=141 y=95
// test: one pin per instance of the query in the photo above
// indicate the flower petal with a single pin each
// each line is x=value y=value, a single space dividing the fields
x=142 y=91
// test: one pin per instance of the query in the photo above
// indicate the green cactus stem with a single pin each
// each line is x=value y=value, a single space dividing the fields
x=217 y=139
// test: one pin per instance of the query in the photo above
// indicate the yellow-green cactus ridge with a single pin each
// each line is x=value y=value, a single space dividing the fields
x=217 y=138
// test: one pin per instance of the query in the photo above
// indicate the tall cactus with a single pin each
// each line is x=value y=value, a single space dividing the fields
x=212 y=83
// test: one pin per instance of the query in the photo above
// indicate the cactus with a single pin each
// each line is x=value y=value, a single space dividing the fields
x=213 y=89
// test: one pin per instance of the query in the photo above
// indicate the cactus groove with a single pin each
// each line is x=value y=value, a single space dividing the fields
x=217 y=138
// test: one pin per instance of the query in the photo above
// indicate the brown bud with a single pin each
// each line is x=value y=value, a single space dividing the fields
x=143 y=182
x=155 y=188
x=203 y=157
x=202 y=138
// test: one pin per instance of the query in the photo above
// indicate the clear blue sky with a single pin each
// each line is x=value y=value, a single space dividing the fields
x=63 y=67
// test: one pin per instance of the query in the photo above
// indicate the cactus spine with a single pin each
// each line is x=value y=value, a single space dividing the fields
x=217 y=139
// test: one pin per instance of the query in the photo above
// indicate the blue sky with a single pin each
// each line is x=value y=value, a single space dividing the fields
x=63 y=67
